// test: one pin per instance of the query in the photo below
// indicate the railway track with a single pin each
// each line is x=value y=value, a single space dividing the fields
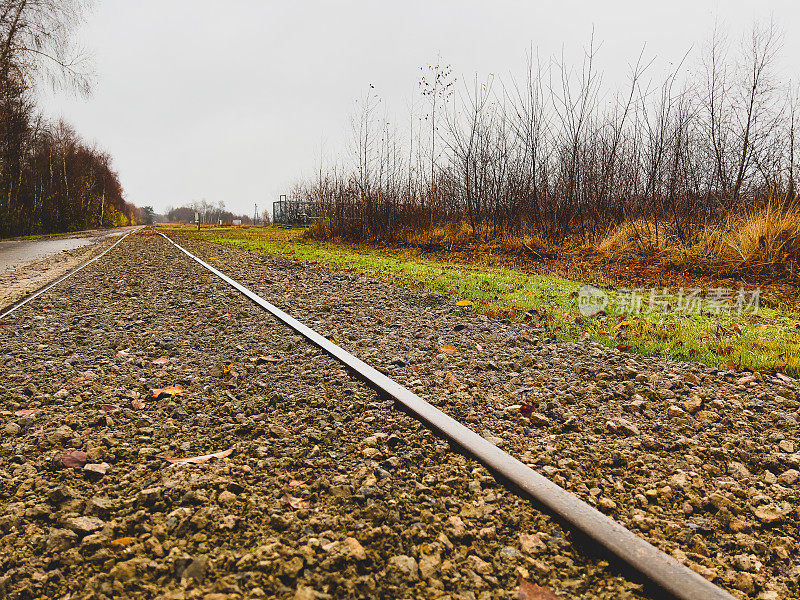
x=7 y=310
x=665 y=576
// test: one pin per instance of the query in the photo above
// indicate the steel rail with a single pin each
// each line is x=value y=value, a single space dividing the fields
x=20 y=303
x=660 y=569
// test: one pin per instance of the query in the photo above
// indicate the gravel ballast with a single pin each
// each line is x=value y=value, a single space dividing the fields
x=329 y=492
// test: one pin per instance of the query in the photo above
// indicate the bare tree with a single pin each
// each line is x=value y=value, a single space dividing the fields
x=37 y=43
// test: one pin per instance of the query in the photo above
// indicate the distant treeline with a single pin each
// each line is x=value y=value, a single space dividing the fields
x=211 y=213
x=555 y=156
x=50 y=180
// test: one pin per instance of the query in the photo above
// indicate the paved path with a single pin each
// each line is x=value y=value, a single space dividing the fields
x=15 y=253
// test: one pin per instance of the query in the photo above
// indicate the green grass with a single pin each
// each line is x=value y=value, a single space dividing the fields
x=767 y=341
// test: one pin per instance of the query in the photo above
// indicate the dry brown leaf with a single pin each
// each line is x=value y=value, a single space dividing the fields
x=296 y=483
x=194 y=460
x=110 y=407
x=75 y=459
x=171 y=390
x=623 y=347
x=531 y=591
x=161 y=361
x=122 y=542
x=295 y=502
x=447 y=349
x=267 y=359
x=137 y=404
x=25 y=412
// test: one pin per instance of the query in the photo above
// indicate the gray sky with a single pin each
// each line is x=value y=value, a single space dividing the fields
x=233 y=100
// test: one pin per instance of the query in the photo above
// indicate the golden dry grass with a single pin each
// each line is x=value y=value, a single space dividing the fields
x=762 y=241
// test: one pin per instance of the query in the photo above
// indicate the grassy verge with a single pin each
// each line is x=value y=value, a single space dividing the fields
x=711 y=332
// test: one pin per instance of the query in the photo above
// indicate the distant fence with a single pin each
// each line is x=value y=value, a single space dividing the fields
x=294 y=213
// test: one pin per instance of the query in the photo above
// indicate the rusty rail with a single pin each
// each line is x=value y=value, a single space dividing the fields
x=660 y=569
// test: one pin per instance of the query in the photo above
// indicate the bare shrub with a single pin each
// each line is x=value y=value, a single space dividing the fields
x=553 y=158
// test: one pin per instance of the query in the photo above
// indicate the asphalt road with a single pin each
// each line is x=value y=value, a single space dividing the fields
x=14 y=254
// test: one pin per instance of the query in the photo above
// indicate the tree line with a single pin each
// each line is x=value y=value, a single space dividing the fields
x=211 y=213
x=50 y=179
x=553 y=154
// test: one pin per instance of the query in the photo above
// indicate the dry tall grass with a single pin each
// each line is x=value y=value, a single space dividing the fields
x=763 y=241
x=760 y=242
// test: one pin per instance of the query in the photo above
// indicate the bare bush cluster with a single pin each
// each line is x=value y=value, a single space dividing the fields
x=551 y=156
x=209 y=213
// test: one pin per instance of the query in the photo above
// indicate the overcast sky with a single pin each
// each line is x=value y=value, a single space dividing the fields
x=233 y=100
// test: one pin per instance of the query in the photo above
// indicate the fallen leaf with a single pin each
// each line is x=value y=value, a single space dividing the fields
x=296 y=483
x=228 y=368
x=761 y=327
x=161 y=361
x=122 y=542
x=195 y=460
x=446 y=349
x=526 y=410
x=20 y=413
x=623 y=347
x=531 y=591
x=295 y=502
x=110 y=407
x=522 y=390
x=267 y=359
x=623 y=324
x=137 y=404
x=464 y=303
x=212 y=258
x=122 y=354
x=75 y=459
x=729 y=366
x=171 y=390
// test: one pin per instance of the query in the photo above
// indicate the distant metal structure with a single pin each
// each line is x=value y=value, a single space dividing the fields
x=294 y=213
